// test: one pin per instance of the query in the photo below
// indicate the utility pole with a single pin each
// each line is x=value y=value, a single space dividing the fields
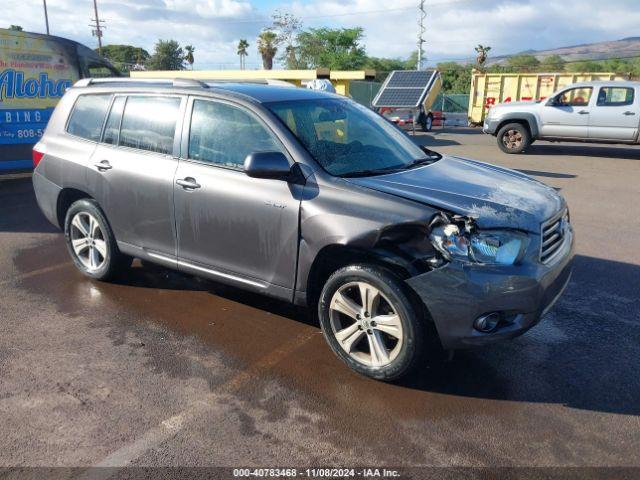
x=421 y=41
x=97 y=27
x=46 y=15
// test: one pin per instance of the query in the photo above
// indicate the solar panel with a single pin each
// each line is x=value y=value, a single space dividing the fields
x=417 y=79
x=399 y=96
x=405 y=88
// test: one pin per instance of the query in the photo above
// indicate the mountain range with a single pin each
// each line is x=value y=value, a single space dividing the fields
x=625 y=48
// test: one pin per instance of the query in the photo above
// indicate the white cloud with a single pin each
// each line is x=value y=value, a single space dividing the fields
x=454 y=27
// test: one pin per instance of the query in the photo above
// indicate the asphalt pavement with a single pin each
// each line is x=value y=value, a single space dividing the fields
x=162 y=369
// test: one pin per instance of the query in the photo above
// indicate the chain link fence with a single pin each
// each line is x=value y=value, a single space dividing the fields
x=364 y=92
x=452 y=103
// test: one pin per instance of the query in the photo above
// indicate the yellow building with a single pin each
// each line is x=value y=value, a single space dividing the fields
x=339 y=78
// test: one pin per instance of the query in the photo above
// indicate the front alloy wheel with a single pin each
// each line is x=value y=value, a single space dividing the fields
x=365 y=324
x=371 y=322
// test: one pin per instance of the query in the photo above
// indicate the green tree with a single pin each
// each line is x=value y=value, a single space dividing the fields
x=412 y=61
x=16 y=28
x=456 y=78
x=188 y=56
x=124 y=57
x=334 y=48
x=553 y=63
x=168 y=55
x=287 y=28
x=585 y=66
x=267 y=47
x=243 y=46
x=523 y=62
x=383 y=66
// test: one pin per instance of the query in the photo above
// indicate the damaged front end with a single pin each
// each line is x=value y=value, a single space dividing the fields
x=486 y=285
x=458 y=238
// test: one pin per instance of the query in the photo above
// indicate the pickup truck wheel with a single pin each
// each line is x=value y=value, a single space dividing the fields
x=371 y=323
x=514 y=138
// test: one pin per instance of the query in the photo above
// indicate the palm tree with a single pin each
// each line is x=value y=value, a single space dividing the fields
x=243 y=45
x=189 y=49
x=483 y=53
x=267 y=47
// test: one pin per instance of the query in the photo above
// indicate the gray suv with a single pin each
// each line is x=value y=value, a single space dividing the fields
x=310 y=198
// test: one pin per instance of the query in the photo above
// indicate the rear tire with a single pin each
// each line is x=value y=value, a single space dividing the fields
x=371 y=323
x=426 y=122
x=90 y=241
x=513 y=138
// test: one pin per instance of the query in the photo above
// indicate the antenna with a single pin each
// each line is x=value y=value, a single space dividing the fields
x=97 y=26
x=421 y=41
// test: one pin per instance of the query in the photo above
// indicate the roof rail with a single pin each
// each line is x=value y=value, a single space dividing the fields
x=176 y=82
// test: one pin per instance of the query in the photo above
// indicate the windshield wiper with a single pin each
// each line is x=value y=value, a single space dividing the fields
x=372 y=172
x=421 y=161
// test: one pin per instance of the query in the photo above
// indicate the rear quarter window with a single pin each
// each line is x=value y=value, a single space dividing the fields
x=88 y=116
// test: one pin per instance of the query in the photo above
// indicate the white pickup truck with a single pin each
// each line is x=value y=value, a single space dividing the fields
x=599 y=112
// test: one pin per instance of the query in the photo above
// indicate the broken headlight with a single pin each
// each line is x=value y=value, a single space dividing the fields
x=495 y=247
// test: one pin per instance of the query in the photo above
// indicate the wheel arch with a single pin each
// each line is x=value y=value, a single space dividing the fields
x=527 y=120
x=66 y=198
x=335 y=256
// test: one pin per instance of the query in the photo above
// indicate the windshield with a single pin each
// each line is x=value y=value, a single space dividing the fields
x=347 y=139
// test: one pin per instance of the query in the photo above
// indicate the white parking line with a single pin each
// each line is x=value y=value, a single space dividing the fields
x=33 y=273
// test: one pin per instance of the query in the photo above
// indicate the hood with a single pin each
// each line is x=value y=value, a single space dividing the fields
x=495 y=197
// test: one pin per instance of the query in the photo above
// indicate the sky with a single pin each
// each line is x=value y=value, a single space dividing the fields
x=453 y=27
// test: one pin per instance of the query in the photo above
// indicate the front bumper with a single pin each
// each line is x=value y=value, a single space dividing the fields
x=458 y=293
x=490 y=126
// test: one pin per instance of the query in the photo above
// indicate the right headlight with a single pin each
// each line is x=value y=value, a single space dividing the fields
x=493 y=247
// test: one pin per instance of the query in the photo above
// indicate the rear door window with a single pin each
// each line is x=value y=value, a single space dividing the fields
x=615 y=96
x=88 y=116
x=149 y=123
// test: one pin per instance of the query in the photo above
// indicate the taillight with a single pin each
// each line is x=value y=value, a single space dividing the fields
x=37 y=156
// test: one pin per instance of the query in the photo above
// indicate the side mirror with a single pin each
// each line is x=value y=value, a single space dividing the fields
x=273 y=165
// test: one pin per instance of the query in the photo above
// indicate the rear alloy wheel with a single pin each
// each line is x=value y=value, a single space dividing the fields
x=514 y=138
x=90 y=241
x=370 y=323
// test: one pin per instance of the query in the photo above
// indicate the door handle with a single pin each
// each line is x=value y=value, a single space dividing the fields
x=583 y=112
x=188 y=183
x=103 y=165
x=629 y=113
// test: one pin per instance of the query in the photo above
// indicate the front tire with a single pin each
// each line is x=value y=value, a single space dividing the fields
x=371 y=323
x=514 y=138
x=90 y=241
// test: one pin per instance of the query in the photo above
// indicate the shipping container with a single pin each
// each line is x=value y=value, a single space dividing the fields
x=489 y=89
